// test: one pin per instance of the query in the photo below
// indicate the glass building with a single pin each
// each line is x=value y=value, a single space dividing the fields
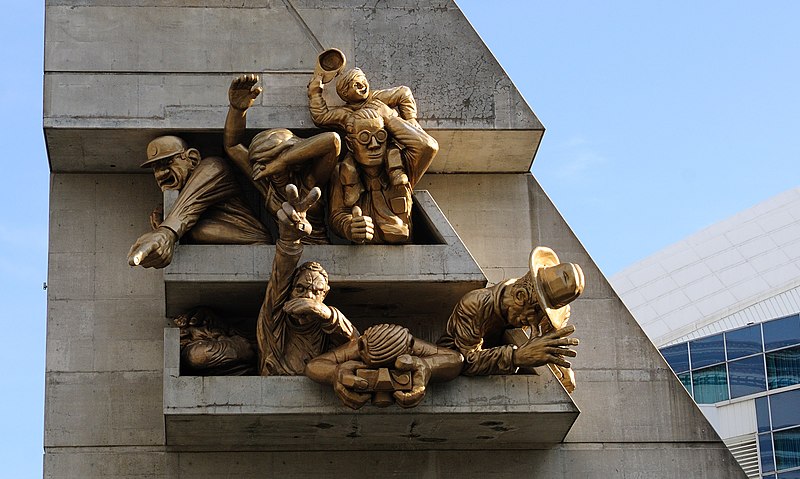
x=758 y=363
x=722 y=307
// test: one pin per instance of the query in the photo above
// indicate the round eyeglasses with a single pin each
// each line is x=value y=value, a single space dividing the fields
x=365 y=136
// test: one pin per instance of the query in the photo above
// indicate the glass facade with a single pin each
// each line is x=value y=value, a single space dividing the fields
x=783 y=367
x=762 y=361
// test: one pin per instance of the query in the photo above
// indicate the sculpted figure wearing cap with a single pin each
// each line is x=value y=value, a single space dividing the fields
x=386 y=364
x=209 y=208
x=538 y=303
x=276 y=158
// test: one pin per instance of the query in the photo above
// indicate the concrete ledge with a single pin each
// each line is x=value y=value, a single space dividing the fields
x=118 y=146
x=294 y=413
x=414 y=285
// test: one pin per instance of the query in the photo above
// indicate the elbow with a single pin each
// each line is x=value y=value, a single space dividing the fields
x=430 y=146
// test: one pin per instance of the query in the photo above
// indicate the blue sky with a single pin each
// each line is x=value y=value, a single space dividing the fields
x=662 y=118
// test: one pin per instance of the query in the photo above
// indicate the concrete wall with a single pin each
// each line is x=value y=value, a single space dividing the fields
x=121 y=72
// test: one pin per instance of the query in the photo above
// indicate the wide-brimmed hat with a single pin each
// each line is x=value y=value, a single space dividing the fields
x=554 y=296
x=163 y=147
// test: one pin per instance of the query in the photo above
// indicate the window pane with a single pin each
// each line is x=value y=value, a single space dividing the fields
x=762 y=414
x=743 y=342
x=710 y=385
x=789 y=475
x=686 y=380
x=787 y=448
x=785 y=409
x=782 y=332
x=783 y=367
x=747 y=376
x=707 y=351
x=765 y=450
x=677 y=357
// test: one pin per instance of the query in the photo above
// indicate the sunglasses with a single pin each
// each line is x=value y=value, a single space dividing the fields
x=365 y=136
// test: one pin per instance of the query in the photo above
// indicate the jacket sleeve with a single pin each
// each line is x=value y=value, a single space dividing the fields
x=211 y=182
x=464 y=333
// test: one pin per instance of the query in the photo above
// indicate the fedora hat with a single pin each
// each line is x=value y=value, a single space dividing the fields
x=555 y=284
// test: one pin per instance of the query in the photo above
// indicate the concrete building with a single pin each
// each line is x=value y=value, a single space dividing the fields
x=722 y=306
x=118 y=74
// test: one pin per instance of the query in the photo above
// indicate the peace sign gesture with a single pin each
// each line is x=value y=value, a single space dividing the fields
x=292 y=222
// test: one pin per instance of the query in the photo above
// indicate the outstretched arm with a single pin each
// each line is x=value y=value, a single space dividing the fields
x=318 y=107
x=241 y=95
x=322 y=150
x=292 y=226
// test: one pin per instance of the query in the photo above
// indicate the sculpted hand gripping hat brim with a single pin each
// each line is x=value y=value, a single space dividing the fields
x=541 y=259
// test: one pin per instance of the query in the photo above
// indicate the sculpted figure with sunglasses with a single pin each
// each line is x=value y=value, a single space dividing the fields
x=388 y=152
x=364 y=205
x=294 y=324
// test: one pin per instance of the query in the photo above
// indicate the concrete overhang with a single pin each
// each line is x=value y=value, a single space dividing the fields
x=104 y=101
x=285 y=413
x=416 y=285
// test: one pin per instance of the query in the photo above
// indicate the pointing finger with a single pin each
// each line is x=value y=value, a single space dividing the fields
x=141 y=253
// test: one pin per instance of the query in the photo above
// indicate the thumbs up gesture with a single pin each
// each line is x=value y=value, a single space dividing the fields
x=362 y=229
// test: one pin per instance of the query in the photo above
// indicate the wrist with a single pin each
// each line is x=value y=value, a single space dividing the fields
x=169 y=233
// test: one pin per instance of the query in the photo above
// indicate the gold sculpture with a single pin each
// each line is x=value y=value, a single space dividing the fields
x=210 y=348
x=370 y=190
x=276 y=158
x=209 y=208
x=537 y=303
x=294 y=324
x=386 y=364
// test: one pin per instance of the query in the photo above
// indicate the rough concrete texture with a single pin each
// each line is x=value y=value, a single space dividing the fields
x=635 y=417
x=291 y=413
x=178 y=78
x=413 y=285
x=119 y=72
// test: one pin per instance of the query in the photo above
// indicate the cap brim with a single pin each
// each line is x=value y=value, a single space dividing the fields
x=153 y=160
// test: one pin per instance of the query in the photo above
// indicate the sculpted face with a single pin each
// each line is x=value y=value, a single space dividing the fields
x=310 y=285
x=357 y=89
x=172 y=172
x=369 y=141
x=526 y=313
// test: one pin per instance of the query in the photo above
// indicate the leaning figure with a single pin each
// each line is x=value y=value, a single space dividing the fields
x=538 y=303
x=386 y=364
x=276 y=158
x=209 y=208
x=294 y=324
